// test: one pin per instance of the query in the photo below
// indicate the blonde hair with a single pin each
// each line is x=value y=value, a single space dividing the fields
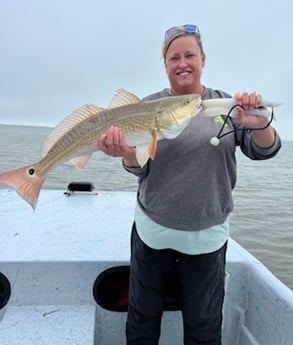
x=178 y=33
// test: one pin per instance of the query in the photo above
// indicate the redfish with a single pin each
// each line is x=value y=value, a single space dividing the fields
x=75 y=138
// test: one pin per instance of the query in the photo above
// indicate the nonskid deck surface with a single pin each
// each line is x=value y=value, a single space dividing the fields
x=54 y=325
x=53 y=256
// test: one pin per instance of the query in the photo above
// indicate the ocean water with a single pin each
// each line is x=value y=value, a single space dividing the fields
x=262 y=220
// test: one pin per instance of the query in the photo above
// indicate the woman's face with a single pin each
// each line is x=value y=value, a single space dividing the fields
x=184 y=62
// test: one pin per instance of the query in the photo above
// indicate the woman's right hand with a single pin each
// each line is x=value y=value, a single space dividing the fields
x=112 y=143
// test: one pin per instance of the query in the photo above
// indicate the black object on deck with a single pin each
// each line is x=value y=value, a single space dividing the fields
x=79 y=187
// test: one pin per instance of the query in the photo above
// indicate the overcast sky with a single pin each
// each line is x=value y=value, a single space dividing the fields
x=56 y=55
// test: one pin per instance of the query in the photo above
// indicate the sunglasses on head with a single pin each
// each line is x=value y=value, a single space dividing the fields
x=189 y=28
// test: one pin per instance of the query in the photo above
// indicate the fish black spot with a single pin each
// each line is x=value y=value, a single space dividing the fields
x=31 y=171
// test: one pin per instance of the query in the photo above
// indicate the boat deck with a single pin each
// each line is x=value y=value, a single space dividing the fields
x=52 y=257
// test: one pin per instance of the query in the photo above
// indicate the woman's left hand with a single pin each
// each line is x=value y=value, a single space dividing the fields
x=249 y=101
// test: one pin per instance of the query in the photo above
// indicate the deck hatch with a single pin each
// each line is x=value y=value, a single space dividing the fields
x=110 y=290
x=5 y=290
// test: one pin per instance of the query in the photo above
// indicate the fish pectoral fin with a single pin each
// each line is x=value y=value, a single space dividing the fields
x=148 y=150
x=80 y=162
x=123 y=97
x=153 y=144
x=142 y=154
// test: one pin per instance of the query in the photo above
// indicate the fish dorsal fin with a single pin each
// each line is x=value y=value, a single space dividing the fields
x=68 y=123
x=123 y=97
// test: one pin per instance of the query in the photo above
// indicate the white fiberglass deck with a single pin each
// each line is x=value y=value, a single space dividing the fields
x=52 y=257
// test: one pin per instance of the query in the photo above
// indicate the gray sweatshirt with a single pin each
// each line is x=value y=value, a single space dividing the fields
x=188 y=186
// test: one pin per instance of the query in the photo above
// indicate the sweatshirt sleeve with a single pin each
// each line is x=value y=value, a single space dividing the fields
x=139 y=172
x=244 y=139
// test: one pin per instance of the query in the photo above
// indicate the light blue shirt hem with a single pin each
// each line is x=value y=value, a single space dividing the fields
x=191 y=242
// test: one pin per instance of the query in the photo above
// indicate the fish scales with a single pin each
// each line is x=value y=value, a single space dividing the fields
x=75 y=138
x=130 y=118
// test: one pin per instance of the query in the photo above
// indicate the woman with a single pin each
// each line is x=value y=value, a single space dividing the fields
x=181 y=223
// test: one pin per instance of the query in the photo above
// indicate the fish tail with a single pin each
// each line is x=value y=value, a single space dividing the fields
x=26 y=182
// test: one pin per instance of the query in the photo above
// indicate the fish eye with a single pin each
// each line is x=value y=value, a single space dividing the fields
x=31 y=171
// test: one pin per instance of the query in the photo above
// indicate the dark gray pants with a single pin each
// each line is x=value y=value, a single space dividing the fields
x=200 y=281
